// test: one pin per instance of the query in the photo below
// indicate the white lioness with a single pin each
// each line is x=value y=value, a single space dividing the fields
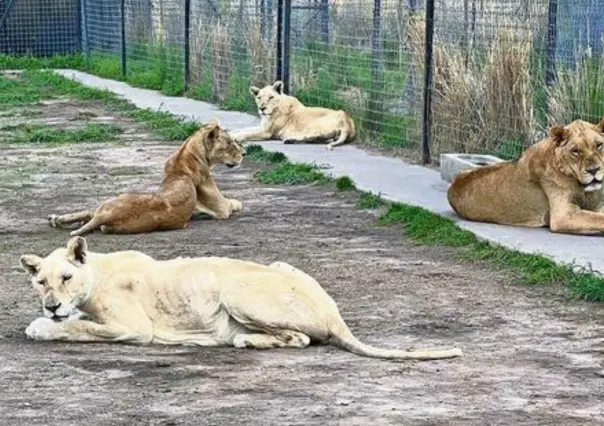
x=210 y=301
x=284 y=117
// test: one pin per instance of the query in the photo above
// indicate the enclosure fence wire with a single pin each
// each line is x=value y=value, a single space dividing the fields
x=504 y=71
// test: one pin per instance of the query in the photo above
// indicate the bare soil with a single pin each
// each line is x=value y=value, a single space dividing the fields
x=532 y=356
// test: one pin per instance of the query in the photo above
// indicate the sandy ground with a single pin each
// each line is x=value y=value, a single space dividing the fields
x=532 y=356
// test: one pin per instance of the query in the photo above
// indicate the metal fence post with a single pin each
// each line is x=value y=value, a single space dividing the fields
x=552 y=34
x=324 y=21
x=279 y=55
x=428 y=77
x=187 y=48
x=84 y=29
x=287 y=15
x=123 y=30
x=284 y=13
x=375 y=106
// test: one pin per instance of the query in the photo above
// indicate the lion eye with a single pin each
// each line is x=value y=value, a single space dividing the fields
x=574 y=151
x=42 y=282
x=270 y=97
x=599 y=146
x=66 y=277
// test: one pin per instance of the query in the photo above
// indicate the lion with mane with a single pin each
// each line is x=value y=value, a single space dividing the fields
x=187 y=188
x=128 y=296
x=285 y=118
x=556 y=183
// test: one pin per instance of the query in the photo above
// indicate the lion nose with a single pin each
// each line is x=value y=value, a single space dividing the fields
x=53 y=308
x=593 y=170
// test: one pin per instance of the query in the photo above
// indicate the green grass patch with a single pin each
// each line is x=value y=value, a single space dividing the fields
x=284 y=172
x=426 y=227
x=369 y=201
x=257 y=153
x=344 y=183
x=34 y=86
x=287 y=173
x=33 y=133
x=28 y=62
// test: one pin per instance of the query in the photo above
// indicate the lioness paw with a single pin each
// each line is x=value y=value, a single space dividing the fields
x=329 y=147
x=41 y=329
x=52 y=220
x=241 y=342
x=236 y=205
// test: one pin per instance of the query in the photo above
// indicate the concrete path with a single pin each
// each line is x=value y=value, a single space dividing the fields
x=393 y=178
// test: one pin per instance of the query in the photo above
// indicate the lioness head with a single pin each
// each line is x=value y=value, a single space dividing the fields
x=59 y=278
x=220 y=147
x=579 y=152
x=268 y=99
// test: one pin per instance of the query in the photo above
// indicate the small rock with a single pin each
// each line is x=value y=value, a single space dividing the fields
x=344 y=402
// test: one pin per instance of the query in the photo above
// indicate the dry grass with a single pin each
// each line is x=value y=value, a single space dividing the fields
x=479 y=103
x=262 y=54
x=578 y=92
x=222 y=61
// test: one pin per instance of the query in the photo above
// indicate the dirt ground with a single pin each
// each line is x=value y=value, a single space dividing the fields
x=532 y=356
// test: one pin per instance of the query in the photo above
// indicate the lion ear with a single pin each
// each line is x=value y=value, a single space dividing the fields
x=212 y=128
x=254 y=90
x=30 y=263
x=600 y=125
x=278 y=86
x=77 y=248
x=559 y=134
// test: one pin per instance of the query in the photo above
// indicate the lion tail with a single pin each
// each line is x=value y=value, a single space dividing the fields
x=343 y=337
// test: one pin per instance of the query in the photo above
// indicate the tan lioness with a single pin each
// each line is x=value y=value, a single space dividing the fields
x=207 y=301
x=556 y=182
x=187 y=187
x=285 y=118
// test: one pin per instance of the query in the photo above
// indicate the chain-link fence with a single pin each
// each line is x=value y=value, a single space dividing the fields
x=40 y=28
x=494 y=76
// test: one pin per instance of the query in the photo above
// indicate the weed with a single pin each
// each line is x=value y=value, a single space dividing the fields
x=344 y=183
x=31 y=133
x=427 y=227
x=287 y=173
x=257 y=153
x=369 y=201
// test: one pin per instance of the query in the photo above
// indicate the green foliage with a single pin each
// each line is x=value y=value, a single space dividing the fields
x=257 y=153
x=286 y=173
x=344 y=183
x=31 y=133
x=369 y=201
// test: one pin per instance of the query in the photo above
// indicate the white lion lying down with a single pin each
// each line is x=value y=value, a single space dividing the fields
x=127 y=296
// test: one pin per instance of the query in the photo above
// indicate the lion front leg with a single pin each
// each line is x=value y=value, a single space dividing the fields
x=82 y=331
x=212 y=202
x=252 y=134
x=577 y=221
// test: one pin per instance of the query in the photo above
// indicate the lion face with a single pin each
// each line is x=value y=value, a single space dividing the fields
x=580 y=152
x=268 y=99
x=223 y=149
x=59 y=279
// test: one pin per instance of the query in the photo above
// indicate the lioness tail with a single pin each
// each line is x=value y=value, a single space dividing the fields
x=342 y=336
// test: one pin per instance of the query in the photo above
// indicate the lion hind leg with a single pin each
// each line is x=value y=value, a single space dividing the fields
x=94 y=223
x=57 y=221
x=283 y=339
